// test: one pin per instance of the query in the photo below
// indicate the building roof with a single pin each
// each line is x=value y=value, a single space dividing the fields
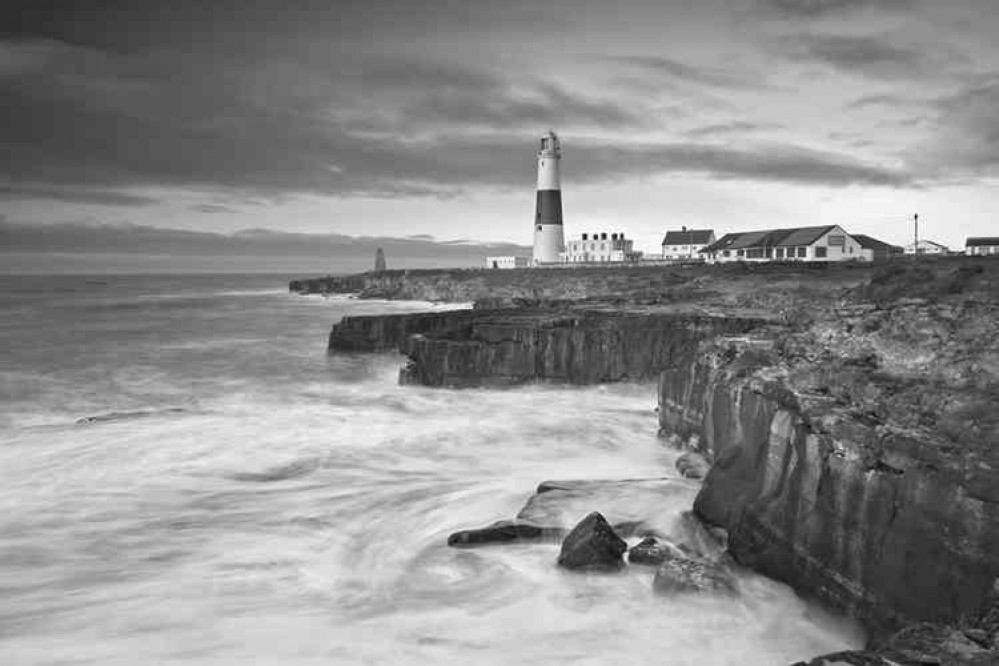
x=688 y=237
x=770 y=238
x=982 y=241
x=924 y=242
x=868 y=243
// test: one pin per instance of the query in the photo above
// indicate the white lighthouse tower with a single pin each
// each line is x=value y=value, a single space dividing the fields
x=548 y=238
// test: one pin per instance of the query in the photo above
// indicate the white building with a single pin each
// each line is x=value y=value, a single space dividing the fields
x=599 y=248
x=687 y=243
x=828 y=243
x=508 y=262
x=926 y=247
x=988 y=246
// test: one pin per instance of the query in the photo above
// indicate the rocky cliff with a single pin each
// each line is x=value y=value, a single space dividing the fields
x=854 y=455
x=513 y=346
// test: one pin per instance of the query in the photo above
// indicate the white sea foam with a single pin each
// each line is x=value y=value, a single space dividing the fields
x=296 y=511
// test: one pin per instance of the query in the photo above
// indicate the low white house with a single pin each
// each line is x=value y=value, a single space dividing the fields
x=828 y=243
x=926 y=247
x=508 y=262
x=686 y=243
x=982 y=246
x=599 y=248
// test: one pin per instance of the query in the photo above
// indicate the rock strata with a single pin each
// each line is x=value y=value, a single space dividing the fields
x=592 y=545
x=853 y=453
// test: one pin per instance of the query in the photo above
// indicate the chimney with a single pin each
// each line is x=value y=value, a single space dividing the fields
x=603 y=236
x=684 y=229
x=584 y=237
x=614 y=237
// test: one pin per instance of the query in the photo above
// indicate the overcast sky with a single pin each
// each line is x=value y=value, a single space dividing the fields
x=413 y=117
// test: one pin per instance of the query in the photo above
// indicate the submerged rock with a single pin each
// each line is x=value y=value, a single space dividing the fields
x=503 y=531
x=692 y=465
x=653 y=550
x=632 y=506
x=684 y=574
x=592 y=544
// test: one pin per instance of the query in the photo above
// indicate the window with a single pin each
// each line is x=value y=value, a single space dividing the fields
x=739 y=253
x=779 y=253
x=837 y=239
x=603 y=246
x=726 y=253
x=820 y=252
x=802 y=252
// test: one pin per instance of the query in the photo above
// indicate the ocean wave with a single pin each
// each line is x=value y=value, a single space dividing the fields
x=110 y=417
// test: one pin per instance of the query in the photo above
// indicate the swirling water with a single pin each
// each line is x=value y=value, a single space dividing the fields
x=187 y=477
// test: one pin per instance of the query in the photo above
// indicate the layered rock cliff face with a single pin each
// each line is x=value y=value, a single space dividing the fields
x=504 y=347
x=854 y=455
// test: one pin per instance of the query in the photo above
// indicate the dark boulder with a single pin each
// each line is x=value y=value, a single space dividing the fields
x=503 y=531
x=683 y=574
x=592 y=544
x=655 y=551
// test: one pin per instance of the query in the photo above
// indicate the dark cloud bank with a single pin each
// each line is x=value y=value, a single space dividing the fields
x=87 y=248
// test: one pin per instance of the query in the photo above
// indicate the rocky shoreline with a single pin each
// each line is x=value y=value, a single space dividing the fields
x=847 y=418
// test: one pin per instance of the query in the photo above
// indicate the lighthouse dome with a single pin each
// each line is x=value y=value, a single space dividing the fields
x=550 y=144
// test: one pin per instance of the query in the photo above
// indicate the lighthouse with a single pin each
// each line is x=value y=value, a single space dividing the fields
x=548 y=238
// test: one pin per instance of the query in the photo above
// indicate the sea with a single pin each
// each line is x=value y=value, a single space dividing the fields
x=187 y=476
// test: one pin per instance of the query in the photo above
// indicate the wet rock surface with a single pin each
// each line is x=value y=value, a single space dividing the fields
x=653 y=550
x=681 y=574
x=504 y=531
x=921 y=644
x=592 y=545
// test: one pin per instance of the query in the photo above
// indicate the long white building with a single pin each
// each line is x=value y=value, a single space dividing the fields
x=828 y=243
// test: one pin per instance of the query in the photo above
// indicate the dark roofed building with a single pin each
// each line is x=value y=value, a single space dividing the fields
x=982 y=245
x=825 y=243
x=871 y=249
x=686 y=243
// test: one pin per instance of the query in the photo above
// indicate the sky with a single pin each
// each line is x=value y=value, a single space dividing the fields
x=401 y=118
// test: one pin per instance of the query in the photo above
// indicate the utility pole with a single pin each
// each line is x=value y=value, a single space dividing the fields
x=915 y=234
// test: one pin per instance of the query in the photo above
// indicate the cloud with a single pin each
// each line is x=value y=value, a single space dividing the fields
x=73 y=195
x=199 y=250
x=773 y=162
x=733 y=127
x=816 y=8
x=869 y=56
x=212 y=209
x=682 y=72
x=966 y=140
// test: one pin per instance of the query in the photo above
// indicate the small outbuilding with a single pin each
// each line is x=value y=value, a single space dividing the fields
x=871 y=249
x=508 y=262
x=926 y=247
